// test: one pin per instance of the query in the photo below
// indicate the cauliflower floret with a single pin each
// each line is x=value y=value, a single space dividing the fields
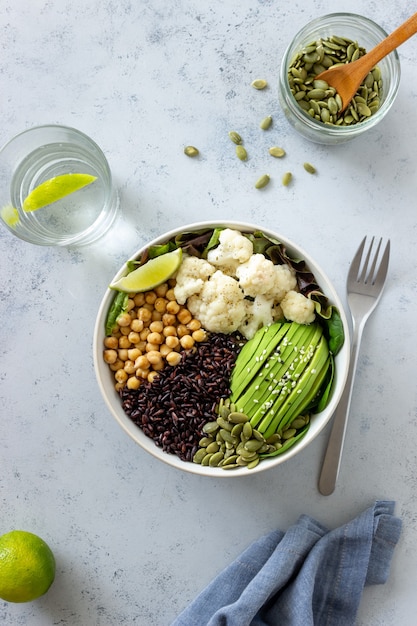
x=220 y=304
x=259 y=312
x=256 y=276
x=285 y=281
x=259 y=276
x=298 y=308
x=233 y=249
x=191 y=276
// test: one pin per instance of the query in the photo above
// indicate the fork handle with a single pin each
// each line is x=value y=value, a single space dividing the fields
x=333 y=456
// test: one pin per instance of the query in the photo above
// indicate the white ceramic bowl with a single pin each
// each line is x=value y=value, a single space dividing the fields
x=106 y=380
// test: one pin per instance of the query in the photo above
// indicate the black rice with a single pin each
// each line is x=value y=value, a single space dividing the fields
x=173 y=409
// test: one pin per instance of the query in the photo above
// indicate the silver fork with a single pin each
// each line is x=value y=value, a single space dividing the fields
x=365 y=283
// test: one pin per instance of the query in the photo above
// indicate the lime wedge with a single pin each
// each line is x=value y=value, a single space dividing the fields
x=56 y=188
x=153 y=273
x=9 y=214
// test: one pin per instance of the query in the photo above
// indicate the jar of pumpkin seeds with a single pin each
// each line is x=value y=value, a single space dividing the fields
x=313 y=108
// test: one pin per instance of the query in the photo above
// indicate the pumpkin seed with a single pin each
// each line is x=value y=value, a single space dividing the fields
x=199 y=455
x=205 y=441
x=262 y=181
x=210 y=427
x=212 y=447
x=235 y=137
x=191 y=151
x=252 y=445
x=266 y=123
x=286 y=179
x=247 y=430
x=309 y=168
x=237 y=418
x=241 y=153
x=276 y=152
x=259 y=83
x=215 y=459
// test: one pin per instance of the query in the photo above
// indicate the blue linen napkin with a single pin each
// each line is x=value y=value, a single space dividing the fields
x=306 y=576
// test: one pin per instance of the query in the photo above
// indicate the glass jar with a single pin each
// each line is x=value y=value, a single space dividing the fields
x=367 y=34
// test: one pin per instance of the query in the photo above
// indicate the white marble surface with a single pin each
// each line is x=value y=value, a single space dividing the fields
x=135 y=540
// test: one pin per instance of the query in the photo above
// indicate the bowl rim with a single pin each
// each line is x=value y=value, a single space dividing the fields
x=112 y=400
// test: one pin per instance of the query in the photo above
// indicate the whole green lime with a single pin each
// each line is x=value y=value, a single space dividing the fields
x=27 y=566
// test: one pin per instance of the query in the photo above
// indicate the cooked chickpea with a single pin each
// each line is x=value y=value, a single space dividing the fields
x=129 y=367
x=140 y=373
x=182 y=330
x=168 y=319
x=156 y=327
x=124 y=342
x=199 y=335
x=161 y=290
x=156 y=316
x=194 y=325
x=124 y=330
x=144 y=314
x=119 y=386
x=133 y=354
x=172 y=341
x=173 y=307
x=187 y=342
x=121 y=376
x=133 y=383
x=110 y=356
x=150 y=297
x=124 y=319
x=184 y=316
x=117 y=365
x=173 y=358
x=169 y=331
x=150 y=347
x=155 y=338
x=130 y=305
x=122 y=353
x=137 y=325
x=133 y=337
x=142 y=363
x=161 y=305
x=154 y=357
x=144 y=334
x=164 y=349
x=139 y=299
x=151 y=376
x=111 y=342
x=170 y=295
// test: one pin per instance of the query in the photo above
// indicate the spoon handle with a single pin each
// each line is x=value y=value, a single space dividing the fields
x=395 y=39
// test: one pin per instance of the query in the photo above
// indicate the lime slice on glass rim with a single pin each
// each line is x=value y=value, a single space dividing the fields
x=54 y=189
x=151 y=274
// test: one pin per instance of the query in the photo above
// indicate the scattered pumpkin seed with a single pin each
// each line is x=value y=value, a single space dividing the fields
x=241 y=153
x=259 y=83
x=266 y=123
x=286 y=179
x=235 y=137
x=309 y=168
x=191 y=151
x=276 y=152
x=262 y=181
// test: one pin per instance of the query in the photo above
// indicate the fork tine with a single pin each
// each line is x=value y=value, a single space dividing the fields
x=355 y=265
x=383 y=266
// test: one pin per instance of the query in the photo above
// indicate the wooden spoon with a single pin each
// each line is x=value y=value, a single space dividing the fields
x=347 y=78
